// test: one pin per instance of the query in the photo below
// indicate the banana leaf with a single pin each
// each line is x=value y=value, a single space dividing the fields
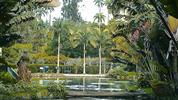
x=13 y=73
x=171 y=7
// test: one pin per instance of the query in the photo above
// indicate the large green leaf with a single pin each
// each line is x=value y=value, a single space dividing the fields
x=171 y=7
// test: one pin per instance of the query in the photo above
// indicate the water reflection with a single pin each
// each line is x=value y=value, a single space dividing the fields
x=83 y=84
x=91 y=84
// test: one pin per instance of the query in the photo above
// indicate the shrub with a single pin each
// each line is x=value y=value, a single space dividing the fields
x=57 y=90
x=114 y=73
x=143 y=82
x=5 y=92
x=6 y=78
x=161 y=88
x=23 y=90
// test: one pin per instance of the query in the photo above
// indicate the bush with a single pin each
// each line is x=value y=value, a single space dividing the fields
x=161 y=88
x=6 y=78
x=143 y=82
x=114 y=73
x=5 y=92
x=16 y=91
x=23 y=90
x=57 y=90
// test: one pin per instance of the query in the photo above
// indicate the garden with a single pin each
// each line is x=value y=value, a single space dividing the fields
x=95 y=49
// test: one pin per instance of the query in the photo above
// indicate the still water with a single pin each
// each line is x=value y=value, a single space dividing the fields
x=95 y=85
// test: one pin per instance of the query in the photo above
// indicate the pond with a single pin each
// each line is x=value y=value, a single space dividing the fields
x=95 y=86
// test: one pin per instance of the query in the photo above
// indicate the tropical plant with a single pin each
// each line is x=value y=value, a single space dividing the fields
x=102 y=40
x=147 y=27
x=117 y=72
x=57 y=90
x=99 y=3
x=81 y=36
x=99 y=17
x=70 y=10
x=23 y=90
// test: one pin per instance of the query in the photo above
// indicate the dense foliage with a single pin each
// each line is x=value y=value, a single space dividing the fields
x=148 y=36
x=141 y=36
x=31 y=91
x=70 y=10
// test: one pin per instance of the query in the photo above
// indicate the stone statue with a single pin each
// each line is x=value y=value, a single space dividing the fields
x=23 y=71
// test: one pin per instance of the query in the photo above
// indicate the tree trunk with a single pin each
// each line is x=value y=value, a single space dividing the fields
x=100 y=45
x=108 y=15
x=50 y=17
x=111 y=66
x=76 y=71
x=175 y=65
x=84 y=62
x=58 y=56
x=100 y=60
x=105 y=68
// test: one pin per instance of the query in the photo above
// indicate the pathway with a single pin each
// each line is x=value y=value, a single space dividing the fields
x=55 y=75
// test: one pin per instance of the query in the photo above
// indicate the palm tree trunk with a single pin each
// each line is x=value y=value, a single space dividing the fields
x=104 y=68
x=84 y=62
x=99 y=16
x=100 y=45
x=50 y=17
x=100 y=60
x=108 y=15
x=58 y=56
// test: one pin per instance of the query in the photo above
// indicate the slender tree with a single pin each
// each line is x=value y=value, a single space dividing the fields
x=102 y=40
x=81 y=36
x=99 y=17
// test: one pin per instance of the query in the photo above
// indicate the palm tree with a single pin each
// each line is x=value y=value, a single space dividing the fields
x=59 y=27
x=107 y=3
x=81 y=36
x=101 y=39
x=99 y=3
x=99 y=17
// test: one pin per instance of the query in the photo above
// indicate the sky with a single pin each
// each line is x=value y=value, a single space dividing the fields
x=87 y=8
